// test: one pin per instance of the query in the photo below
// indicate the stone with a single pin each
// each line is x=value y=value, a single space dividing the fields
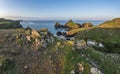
x=94 y=70
x=35 y=34
x=57 y=25
x=27 y=32
x=58 y=44
x=72 y=72
x=25 y=67
x=79 y=68
x=91 y=42
x=58 y=33
x=81 y=44
x=28 y=38
x=101 y=45
x=86 y=25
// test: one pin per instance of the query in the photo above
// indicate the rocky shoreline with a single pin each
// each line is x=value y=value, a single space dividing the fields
x=69 y=26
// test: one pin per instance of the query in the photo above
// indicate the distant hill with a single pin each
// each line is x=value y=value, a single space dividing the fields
x=9 y=24
x=115 y=23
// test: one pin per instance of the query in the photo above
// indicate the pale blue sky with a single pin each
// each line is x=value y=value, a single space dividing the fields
x=60 y=9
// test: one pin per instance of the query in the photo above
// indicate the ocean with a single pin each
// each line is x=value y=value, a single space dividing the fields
x=50 y=24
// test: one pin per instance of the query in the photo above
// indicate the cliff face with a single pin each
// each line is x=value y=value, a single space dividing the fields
x=9 y=24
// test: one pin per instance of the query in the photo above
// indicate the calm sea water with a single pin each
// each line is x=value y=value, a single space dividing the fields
x=50 y=24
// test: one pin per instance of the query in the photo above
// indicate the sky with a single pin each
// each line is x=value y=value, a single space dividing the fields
x=59 y=9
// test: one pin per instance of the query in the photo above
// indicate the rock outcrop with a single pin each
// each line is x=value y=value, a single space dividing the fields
x=86 y=25
x=94 y=70
x=70 y=24
x=57 y=25
x=34 y=38
x=80 y=44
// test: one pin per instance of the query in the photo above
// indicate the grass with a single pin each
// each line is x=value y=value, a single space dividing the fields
x=72 y=58
x=110 y=37
x=108 y=63
x=71 y=25
x=75 y=31
x=9 y=24
x=115 y=23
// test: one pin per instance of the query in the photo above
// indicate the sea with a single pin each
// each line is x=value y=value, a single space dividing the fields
x=50 y=24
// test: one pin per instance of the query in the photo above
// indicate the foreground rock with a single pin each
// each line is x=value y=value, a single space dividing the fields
x=81 y=44
x=94 y=70
x=34 y=38
x=79 y=68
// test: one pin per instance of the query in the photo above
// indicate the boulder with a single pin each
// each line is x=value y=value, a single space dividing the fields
x=58 y=33
x=79 y=68
x=57 y=25
x=35 y=34
x=36 y=44
x=81 y=44
x=86 y=25
x=28 y=38
x=91 y=42
x=72 y=72
x=94 y=70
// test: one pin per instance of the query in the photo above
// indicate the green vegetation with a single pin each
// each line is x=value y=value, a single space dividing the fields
x=115 y=23
x=70 y=24
x=28 y=51
x=108 y=63
x=75 y=31
x=7 y=66
x=72 y=58
x=9 y=24
x=110 y=37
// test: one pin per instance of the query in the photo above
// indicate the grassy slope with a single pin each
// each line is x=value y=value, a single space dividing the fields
x=110 y=37
x=107 y=63
x=9 y=24
x=58 y=57
x=115 y=23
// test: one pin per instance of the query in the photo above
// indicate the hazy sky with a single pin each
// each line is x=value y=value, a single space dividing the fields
x=60 y=9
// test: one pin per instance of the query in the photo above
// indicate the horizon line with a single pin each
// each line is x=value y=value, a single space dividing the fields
x=57 y=18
